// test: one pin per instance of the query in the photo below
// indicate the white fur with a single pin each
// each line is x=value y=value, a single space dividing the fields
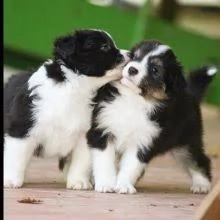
x=125 y=54
x=126 y=119
x=130 y=85
x=17 y=154
x=212 y=71
x=104 y=169
x=200 y=184
x=129 y=171
x=114 y=119
x=142 y=65
x=80 y=167
x=61 y=119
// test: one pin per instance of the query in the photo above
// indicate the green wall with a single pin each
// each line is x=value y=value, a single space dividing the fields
x=30 y=28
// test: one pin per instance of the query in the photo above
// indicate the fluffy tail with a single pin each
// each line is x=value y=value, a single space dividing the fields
x=199 y=79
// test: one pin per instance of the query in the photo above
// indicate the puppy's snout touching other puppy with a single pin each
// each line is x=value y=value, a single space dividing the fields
x=132 y=71
x=120 y=58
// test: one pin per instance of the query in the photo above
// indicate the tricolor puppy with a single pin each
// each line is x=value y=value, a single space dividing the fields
x=152 y=111
x=47 y=112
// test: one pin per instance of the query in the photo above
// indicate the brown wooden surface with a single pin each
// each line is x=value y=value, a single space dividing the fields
x=210 y=206
x=163 y=193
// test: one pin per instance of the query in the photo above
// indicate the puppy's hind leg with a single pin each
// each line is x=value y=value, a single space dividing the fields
x=197 y=165
x=79 y=169
x=17 y=154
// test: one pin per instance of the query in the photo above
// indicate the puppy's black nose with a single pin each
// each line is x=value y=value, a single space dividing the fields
x=119 y=58
x=132 y=71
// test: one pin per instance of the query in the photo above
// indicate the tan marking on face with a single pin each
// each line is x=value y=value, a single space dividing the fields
x=158 y=94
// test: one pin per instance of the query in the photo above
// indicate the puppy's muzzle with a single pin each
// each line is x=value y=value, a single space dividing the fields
x=119 y=59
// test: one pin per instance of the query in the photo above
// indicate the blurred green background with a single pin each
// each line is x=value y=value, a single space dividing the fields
x=193 y=31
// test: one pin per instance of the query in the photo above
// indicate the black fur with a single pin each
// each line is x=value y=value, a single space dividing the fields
x=63 y=161
x=181 y=123
x=88 y=52
x=39 y=151
x=198 y=81
x=17 y=106
x=54 y=72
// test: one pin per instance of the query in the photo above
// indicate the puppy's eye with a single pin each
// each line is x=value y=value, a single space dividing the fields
x=154 y=70
x=105 y=47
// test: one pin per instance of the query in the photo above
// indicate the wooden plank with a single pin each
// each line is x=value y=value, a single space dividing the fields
x=210 y=206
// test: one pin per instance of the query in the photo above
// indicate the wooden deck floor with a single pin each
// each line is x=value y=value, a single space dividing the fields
x=163 y=193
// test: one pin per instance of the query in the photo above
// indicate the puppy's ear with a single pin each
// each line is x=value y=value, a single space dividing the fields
x=174 y=79
x=64 y=47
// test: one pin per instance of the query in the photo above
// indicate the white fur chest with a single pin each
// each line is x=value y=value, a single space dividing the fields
x=61 y=112
x=127 y=118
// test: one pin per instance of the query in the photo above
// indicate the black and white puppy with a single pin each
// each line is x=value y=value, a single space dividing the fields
x=47 y=112
x=152 y=111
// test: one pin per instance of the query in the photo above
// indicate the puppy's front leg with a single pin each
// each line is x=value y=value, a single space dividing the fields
x=98 y=82
x=17 y=154
x=131 y=168
x=79 y=173
x=104 y=169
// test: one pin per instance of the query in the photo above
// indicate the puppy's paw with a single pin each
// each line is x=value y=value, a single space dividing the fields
x=15 y=182
x=200 y=183
x=83 y=184
x=105 y=186
x=125 y=188
x=200 y=188
x=104 y=189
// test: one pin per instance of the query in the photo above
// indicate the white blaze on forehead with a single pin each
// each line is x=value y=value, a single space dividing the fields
x=161 y=49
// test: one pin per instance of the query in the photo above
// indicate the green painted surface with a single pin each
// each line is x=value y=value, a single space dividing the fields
x=31 y=27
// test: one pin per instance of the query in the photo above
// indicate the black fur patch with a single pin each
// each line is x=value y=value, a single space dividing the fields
x=39 y=151
x=88 y=52
x=17 y=106
x=181 y=124
x=63 y=161
x=106 y=93
x=54 y=71
x=198 y=81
